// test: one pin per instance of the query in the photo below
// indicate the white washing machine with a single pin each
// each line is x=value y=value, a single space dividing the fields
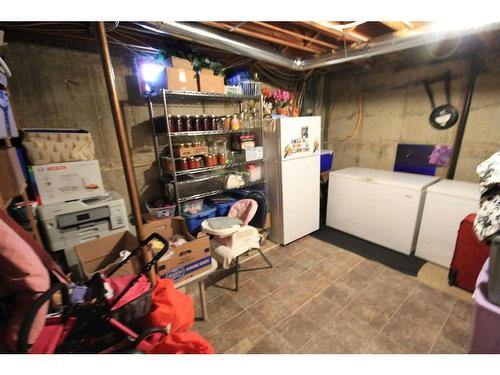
x=446 y=204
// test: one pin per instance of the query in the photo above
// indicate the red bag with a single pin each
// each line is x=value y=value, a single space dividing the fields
x=169 y=306
x=183 y=343
x=469 y=257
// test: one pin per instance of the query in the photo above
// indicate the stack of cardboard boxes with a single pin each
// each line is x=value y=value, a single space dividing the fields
x=72 y=178
x=180 y=76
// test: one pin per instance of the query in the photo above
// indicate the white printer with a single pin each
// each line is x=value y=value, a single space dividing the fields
x=67 y=224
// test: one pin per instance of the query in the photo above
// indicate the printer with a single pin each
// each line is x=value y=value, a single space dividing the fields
x=67 y=224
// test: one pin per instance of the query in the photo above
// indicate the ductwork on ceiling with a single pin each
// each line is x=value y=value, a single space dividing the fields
x=377 y=46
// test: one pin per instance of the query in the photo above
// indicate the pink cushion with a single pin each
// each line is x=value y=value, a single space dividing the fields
x=21 y=273
x=244 y=210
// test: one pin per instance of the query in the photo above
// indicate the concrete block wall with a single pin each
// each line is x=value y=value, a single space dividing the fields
x=394 y=108
x=59 y=85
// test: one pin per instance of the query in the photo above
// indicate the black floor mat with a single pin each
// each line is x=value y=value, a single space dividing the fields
x=400 y=262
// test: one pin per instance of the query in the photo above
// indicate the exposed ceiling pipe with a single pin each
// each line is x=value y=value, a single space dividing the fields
x=216 y=39
x=398 y=41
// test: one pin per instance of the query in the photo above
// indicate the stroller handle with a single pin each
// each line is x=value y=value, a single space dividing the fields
x=24 y=332
x=134 y=252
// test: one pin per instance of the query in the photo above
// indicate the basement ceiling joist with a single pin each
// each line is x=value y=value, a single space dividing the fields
x=307 y=39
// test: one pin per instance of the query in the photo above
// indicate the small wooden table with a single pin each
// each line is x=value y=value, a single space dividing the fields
x=200 y=279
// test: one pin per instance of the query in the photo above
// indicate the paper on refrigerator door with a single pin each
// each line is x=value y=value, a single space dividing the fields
x=300 y=137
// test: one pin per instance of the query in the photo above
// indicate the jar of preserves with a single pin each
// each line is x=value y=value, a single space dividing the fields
x=212 y=148
x=167 y=164
x=207 y=122
x=235 y=122
x=220 y=122
x=221 y=159
x=210 y=160
x=182 y=164
x=191 y=163
x=182 y=124
x=200 y=162
x=190 y=124
x=174 y=123
x=227 y=122
x=197 y=123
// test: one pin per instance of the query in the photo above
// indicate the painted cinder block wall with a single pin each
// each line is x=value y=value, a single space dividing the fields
x=61 y=85
x=395 y=109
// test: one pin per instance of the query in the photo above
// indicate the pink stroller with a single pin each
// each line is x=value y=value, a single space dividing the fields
x=99 y=320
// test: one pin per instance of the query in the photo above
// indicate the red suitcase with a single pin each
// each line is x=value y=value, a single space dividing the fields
x=469 y=257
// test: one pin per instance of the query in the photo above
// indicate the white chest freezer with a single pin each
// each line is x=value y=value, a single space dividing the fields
x=447 y=203
x=382 y=207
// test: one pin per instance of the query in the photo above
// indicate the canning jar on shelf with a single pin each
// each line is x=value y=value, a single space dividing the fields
x=197 y=121
x=235 y=122
x=218 y=123
x=182 y=164
x=182 y=123
x=227 y=122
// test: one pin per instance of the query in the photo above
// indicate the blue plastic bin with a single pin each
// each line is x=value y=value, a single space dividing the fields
x=326 y=160
x=194 y=221
x=223 y=204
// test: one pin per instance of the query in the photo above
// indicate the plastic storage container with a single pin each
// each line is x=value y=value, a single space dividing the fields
x=192 y=207
x=485 y=336
x=223 y=204
x=166 y=210
x=326 y=160
x=194 y=221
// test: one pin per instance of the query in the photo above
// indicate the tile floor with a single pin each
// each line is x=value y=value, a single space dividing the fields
x=319 y=298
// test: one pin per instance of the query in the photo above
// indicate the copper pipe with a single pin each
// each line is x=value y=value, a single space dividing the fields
x=123 y=143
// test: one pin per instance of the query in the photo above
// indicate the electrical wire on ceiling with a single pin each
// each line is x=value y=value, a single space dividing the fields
x=318 y=105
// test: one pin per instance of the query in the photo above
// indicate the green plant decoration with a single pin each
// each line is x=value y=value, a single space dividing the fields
x=199 y=62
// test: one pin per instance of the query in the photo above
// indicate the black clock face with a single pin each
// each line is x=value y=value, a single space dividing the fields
x=443 y=117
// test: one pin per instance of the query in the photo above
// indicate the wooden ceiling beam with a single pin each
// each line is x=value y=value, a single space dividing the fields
x=395 y=25
x=341 y=35
x=267 y=38
x=297 y=35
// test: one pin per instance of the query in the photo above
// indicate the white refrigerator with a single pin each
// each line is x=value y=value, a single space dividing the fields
x=292 y=164
x=447 y=203
x=382 y=207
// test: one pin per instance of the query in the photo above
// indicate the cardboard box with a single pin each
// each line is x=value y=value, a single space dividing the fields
x=255 y=153
x=181 y=79
x=208 y=72
x=61 y=182
x=191 y=151
x=12 y=181
x=211 y=83
x=185 y=261
x=103 y=254
x=45 y=146
x=178 y=62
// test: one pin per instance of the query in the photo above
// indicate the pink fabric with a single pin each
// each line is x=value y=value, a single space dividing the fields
x=244 y=210
x=21 y=273
x=118 y=284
